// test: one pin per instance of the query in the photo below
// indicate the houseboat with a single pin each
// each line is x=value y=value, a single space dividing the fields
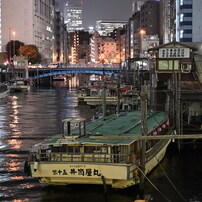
x=3 y=90
x=106 y=151
x=59 y=78
x=19 y=85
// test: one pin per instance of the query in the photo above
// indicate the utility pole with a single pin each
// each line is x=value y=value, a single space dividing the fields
x=10 y=44
x=104 y=95
x=178 y=109
x=144 y=133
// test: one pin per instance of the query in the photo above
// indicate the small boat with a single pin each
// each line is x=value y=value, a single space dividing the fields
x=106 y=151
x=19 y=85
x=59 y=78
x=3 y=90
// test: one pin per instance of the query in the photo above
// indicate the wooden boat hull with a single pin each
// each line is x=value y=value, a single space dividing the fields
x=19 y=88
x=116 y=175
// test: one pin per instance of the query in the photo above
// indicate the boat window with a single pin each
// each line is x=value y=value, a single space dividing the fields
x=59 y=149
x=73 y=149
x=95 y=149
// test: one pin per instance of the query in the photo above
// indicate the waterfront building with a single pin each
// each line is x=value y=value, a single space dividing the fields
x=146 y=42
x=105 y=27
x=73 y=17
x=108 y=51
x=30 y=22
x=104 y=49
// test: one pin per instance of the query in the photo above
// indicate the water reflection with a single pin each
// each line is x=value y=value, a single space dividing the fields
x=27 y=119
x=13 y=164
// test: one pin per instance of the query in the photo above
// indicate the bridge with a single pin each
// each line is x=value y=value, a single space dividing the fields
x=37 y=73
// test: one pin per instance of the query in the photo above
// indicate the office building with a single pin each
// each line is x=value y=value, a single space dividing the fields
x=30 y=22
x=73 y=17
x=188 y=21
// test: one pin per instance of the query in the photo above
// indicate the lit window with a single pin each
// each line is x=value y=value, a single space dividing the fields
x=181 y=17
x=181 y=33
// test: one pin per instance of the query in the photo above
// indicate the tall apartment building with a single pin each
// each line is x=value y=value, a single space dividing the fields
x=108 y=48
x=31 y=21
x=120 y=39
x=79 y=47
x=144 y=24
x=73 y=17
x=95 y=42
x=188 y=21
x=104 y=49
x=165 y=21
x=60 y=41
x=149 y=17
x=136 y=5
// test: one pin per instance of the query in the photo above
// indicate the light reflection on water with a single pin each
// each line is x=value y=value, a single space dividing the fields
x=28 y=118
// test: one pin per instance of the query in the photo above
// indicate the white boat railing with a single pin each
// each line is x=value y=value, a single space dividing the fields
x=101 y=158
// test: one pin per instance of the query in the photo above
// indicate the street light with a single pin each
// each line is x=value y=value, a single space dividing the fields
x=142 y=32
x=10 y=44
x=13 y=42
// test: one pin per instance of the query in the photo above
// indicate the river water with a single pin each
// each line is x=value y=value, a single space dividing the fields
x=28 y=118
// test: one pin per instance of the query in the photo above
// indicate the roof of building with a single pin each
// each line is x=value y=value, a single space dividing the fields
x=174 y=43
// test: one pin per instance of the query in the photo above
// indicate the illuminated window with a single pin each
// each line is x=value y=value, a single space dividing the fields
x=181 y=17
x=181 y=33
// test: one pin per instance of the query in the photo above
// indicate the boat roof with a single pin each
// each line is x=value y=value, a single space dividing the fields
x=122 y=124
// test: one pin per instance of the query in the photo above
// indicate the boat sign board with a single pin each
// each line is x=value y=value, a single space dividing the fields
x=80 y=170
x=174 y=52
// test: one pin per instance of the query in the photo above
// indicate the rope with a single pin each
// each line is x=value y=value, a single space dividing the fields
x=171 y=181
x=153 y=184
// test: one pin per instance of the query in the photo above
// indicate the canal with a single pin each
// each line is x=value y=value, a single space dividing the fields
x=28 y=118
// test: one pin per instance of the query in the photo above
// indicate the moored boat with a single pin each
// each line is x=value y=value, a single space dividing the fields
x=59 y=78
x=106 y=151
x=19 y=85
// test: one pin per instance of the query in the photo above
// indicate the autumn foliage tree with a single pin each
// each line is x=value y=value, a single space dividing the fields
x=31 y=51
x=12 y=48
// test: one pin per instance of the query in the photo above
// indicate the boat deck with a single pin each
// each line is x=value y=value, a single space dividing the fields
x=123 y=124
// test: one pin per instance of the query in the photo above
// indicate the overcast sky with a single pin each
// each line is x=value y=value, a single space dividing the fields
x=94 y=10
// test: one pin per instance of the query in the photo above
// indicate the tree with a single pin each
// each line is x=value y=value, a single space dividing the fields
x=31 y=51
x=12 y=48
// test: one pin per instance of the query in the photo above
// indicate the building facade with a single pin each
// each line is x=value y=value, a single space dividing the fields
x=143 y=28
x=188 y=21
x=73 y=17
x=165 y=21
x=105 y=27
x=95 y=42
x=79 y=47
x=149 y=17
x=31 y=23
x=60 y=39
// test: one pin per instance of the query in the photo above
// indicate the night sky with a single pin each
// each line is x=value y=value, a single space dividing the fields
x=94 y=10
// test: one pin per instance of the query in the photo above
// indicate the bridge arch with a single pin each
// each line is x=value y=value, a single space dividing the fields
x=42 y=73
